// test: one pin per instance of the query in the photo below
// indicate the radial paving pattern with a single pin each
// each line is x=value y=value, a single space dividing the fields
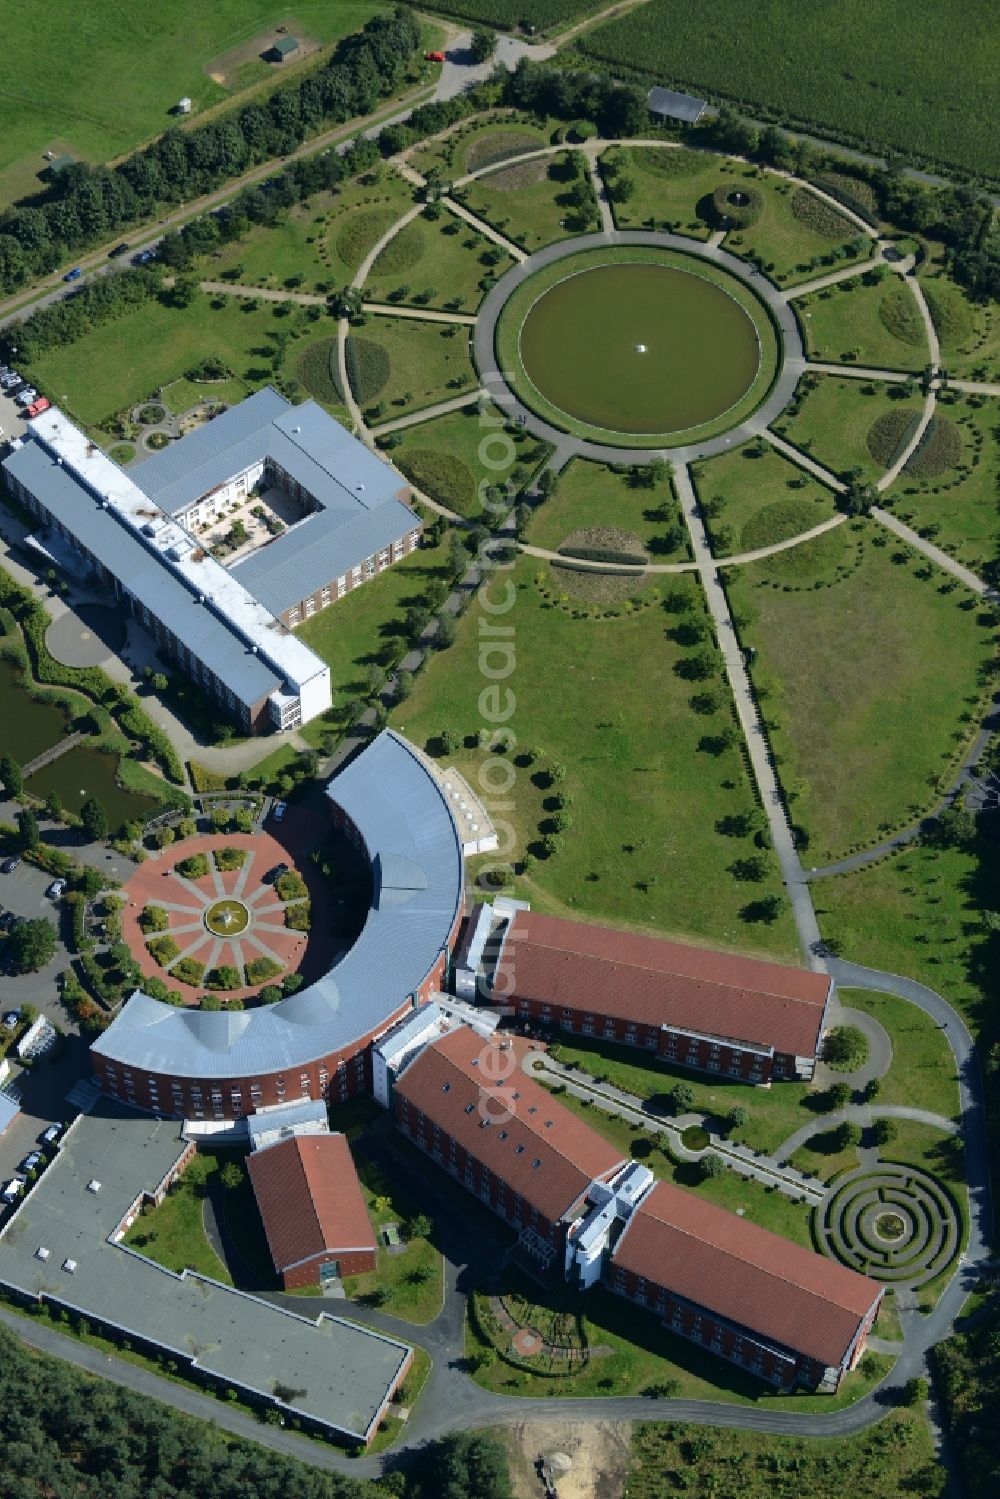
x=895 y=1224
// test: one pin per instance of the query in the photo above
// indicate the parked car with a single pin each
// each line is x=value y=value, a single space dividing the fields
x=144 y=257
x=278 y=811
x=13 y=1189
x=52 y=1134
x=26 y=396
x=9 y=865
x=118 y=250
x=37 y=407
x=434 y=56
x=32 y=1161
x=74 y=274
x=273 y=875
x=56 y=889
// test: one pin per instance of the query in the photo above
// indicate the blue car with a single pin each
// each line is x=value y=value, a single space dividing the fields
x=74 y=274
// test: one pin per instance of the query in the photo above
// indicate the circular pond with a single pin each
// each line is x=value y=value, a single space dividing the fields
x=227 y=918
x=639 y=349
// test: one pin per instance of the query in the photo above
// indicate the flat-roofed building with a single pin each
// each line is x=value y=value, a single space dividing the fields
x=781 y=1311
x=721 y=1013
x=312 y=1209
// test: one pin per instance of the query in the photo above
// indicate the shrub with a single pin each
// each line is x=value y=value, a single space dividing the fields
x=188 y=971
x=884 y=1131
x=194 y=867
x=291 y=886
x=205 y=780
x=230 y=858
x=154 y=919
x=224 y=977
x=817 y=215
x=270 y=994
x=260 y=969
x=845 y=1048
x=737 y=205
x=164 y=949
x=299 y=918
x=682 y=1097
x=712 y=1166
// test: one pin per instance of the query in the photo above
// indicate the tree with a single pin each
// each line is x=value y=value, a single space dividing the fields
x=914 y=1392
x=884 y=1131
x=954 y=827
x=871 y=1089
x=419 y=1227
x=483 y=44
x=846 y=1048
x=464 y=1464
x=231 y=1176
x=32 y=945
x=682 y=1097
x=838 y=1096
x=270 y=994
x=54 y=806
x=712 y=1166
x=846 y=1135
x=446 y=631
x=27 y=826
x=94 y=819
x=448 y=741
x=12 y=777
x=737 y=1118
x=184 y=291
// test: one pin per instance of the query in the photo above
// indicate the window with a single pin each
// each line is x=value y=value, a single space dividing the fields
x=310 y=607
x=535 y=1164
x=324 y=596
x=446 y=1087
x=294 y=616
x=470 y=1108
x=519 y=1150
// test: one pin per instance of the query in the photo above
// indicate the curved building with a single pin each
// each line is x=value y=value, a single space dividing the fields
x=222 y=1065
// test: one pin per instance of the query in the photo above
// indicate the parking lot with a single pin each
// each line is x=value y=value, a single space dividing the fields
x=11 y=420
x=23 y=894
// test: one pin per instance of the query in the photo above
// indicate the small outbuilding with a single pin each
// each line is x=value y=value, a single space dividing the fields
x=284 y=48
x=665 y=104
x=183 y=106
x=58 y=164
x=313 y=1210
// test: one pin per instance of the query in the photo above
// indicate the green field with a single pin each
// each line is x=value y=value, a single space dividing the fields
x=173 y=1234
x=444 y=457
x=835 y=416
x=523 y=201
x=958 y=508
x=439 y=263
x=923 y=1065
x=840 y=670
x=753 y=499
x=865 y=321
x=671 y=185
x=786 y=238
x=478 y=144
x=591 y=495
x=428 y=362
x=892 y=1458
x=646 y=797
x=886 y=76
x=98 y=81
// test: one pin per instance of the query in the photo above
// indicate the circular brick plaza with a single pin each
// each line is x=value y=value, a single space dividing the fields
x=219 y=903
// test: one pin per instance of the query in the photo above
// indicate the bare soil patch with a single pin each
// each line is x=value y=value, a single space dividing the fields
x=598 y=1452
x=224 y=68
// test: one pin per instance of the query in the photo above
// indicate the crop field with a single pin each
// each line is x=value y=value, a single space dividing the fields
x=753 y=499
x=888 y=75
x=98 y=80
x=507 y=15
x=840 y=669
x=835 y=417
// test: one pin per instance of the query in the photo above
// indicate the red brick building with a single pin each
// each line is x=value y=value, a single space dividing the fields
x=466 y=1103
x=312 y=1208
x=717 y=1012
x=780 y=1311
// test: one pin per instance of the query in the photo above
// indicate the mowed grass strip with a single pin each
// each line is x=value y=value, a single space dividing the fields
x=923 y=1071
x=831 y=420
x=865 y=685
x=754 y=496
x=427 y=362
x=602 y=699
x=867 y=320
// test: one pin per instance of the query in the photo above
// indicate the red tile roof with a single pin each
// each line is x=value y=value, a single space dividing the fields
x=776 y=1289
x=475 y=1090
x=309 y=1198
x=600 y=971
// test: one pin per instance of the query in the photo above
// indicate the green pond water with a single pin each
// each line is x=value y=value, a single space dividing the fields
x=28 y=727
x=639 y=348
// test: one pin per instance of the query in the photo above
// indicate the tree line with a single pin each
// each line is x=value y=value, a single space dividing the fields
x=90 y=203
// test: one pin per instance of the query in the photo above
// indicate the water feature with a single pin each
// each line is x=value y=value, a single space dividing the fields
x=29 y=727
x=227 y=918
x=639 y=348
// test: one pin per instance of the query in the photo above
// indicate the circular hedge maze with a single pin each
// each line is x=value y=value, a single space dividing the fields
x=896 y=1224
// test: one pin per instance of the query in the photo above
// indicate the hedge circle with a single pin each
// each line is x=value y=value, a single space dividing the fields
x=896 y=1224
x=737 y=207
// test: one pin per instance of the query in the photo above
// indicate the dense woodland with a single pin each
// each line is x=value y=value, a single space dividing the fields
x=968 y=1376
x=64 y=1435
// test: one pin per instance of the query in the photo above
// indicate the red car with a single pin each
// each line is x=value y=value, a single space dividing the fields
x=434 y=56
x=37 y=407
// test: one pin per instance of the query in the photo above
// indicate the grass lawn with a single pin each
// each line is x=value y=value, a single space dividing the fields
x=174 y=1233
x=487 y=140
x=412 y=1280
x=839 y=670
x=180 y=395
x=593 y=495
x=797 y=235
x=671 y=184
x=391 y=1427
x=640 y=1354
x=758 y=498
x=323 y=240
x=427 y=363
x=968 y=332
x=642 y=851
x=351 y=634
x=523 y=201
x=441 y=262
x=958 y=507
x=775 y=1113
x=923 y=1067
x=833 y=417
x=867 y=321
x=449 y=457
x=820 y=1157
x=122 y=362
x=99 y=91
x=895 y=1457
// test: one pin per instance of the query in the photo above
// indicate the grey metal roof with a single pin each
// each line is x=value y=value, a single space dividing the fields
x=684 y=107
x=340 y=1373
x=359 y=495
x=9 y=1110
x=142 y=572
x=392 y=797
x=285 y=1116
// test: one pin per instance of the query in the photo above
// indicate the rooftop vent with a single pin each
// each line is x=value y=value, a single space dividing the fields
x=69 y=1266
x=41 y=1253
x=93 y=1185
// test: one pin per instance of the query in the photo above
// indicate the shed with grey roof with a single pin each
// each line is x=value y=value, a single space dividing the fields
x=669 y=105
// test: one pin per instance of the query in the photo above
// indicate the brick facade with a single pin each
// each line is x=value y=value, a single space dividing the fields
x=336 y=588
